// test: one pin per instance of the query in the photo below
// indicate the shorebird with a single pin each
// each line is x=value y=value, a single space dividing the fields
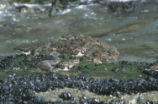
x=154 y=67
x=79 y=54
x=26 y=53
x=66 y=66
x=97 y=61
x=64 y=69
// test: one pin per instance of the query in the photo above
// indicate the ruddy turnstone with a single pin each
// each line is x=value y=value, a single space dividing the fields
x=154 y=67
x=24 y=51
x=66 y=66
x=79 y=54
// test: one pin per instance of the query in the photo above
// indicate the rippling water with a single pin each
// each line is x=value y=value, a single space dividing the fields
x=134 y=34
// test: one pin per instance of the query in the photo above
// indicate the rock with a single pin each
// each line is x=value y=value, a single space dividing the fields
x=22 y=89
x=37 y=6
x=31 y=1
x=116 y=70
x=45 y=65
x=48 y=65
x=66 y=96
x=97 y=61
x=131 y=6
x=154 y=67
x=151 y=72
x=148 y=102
x=69 y=47
x=120 y=6
x=91 y=48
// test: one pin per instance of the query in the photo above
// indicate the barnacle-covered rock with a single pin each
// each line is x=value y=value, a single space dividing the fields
x=79 y=46
x=86 y=48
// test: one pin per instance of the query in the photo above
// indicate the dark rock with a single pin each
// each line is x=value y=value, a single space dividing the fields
x=121 y=6
x=116 y=70
x=22 y=61
x=66 y=96
x=151 y=73
x=148 y=102
x=131 y=6
x=19 y=90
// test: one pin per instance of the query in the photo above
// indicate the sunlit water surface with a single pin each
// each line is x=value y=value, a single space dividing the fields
x=134 y=34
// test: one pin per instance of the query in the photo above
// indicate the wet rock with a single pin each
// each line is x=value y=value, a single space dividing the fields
x=1 y=81
x=116 y=70
x=152 y=73
x=66 y=96
x=38 y=6
x=31 y=1
x=118 y=6
x=130 y=6
x=45 y=65
x=24 y=62
x=148 y=102
x=41 y=86
x=48 y=65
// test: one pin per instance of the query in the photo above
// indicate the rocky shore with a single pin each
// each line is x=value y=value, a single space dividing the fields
x=42 y=75
x=59 y=88
x=27 y=89
x=120 y=7
x=78 y=69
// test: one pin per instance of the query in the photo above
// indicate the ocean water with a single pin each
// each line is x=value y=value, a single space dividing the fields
x=135 y=34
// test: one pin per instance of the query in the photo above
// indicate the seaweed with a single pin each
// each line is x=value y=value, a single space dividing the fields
x=117 y=70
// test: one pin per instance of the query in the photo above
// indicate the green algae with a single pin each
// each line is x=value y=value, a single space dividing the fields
x=19 y=72
x=23 y=72
x=110 y=70
x=118 y=70
x=22 y=65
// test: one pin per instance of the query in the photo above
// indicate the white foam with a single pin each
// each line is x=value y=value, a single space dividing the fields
x=31 y=5
x=121 y=0
x=66 y=11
